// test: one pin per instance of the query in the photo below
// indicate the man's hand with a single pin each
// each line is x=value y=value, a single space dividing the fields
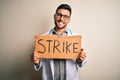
x=81 y=56
x=35 y=58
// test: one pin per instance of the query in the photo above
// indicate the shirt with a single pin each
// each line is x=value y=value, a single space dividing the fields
x=59 y=64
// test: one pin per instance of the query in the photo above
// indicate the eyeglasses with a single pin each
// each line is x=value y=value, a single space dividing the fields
x=65 y=17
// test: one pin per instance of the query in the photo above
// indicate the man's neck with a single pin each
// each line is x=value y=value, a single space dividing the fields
x=60 y=31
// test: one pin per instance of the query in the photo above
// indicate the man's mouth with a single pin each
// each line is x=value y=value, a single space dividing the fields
x=61 y=23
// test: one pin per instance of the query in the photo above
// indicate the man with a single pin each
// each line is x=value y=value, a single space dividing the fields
x=57 y=69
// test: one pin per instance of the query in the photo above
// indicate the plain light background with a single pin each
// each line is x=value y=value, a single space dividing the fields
x=98 y=21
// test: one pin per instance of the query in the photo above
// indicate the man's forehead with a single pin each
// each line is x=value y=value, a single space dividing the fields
x=64 y=11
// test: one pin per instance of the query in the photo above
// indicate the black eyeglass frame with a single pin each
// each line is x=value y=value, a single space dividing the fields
x=61 y=15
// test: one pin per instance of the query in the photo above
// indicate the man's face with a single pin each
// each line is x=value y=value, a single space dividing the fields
x=62 y=18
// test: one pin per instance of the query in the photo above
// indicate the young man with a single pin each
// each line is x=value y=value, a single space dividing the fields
x=57 y=69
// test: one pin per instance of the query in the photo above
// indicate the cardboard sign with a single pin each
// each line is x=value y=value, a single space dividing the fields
x=55 y=47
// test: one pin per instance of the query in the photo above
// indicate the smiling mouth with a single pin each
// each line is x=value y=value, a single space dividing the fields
x=61 y=22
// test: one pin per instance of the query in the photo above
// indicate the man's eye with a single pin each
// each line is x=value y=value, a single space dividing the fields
x=65 y=16
x=59 y=14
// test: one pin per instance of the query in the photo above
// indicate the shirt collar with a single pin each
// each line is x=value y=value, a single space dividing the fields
x=54 y=31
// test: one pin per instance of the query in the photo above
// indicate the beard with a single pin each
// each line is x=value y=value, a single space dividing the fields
x=64 y=26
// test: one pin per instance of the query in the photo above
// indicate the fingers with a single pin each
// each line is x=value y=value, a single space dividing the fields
x=82 y=55
x=34 y=58
x=82 y=49
x=34 y=55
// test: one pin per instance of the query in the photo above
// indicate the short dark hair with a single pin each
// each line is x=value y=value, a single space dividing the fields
x=64 y=6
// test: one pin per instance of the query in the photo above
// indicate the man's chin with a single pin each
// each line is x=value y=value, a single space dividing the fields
x=61 y=27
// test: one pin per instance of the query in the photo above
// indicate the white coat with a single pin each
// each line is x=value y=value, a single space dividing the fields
x=71 y=65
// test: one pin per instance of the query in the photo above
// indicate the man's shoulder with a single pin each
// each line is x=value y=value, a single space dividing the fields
x=72 y=33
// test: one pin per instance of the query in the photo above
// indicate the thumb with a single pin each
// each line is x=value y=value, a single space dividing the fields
x=81 y=49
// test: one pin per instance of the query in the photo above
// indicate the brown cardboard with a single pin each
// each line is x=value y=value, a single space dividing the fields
x=55 y=47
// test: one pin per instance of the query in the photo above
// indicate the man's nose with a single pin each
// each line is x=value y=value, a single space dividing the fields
x=61 y=18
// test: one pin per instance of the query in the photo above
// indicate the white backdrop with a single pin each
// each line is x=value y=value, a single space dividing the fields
x=98 y=21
